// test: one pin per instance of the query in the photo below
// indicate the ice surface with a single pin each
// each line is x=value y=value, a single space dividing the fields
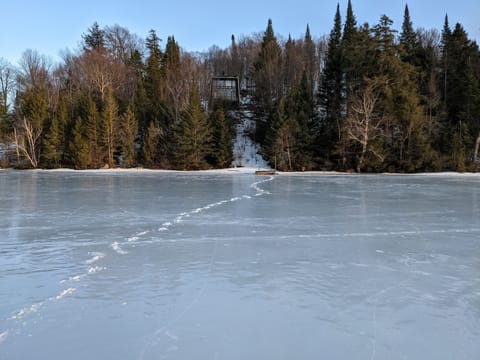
x=288 y=267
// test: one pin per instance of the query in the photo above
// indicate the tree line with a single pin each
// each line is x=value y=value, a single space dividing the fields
x=118 y=101
x=383 y=100
x=365 y=98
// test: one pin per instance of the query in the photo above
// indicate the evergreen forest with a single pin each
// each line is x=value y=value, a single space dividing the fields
x=364 y=98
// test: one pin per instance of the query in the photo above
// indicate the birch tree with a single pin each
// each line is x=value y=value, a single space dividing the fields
x=363 y=124
x=27 y=141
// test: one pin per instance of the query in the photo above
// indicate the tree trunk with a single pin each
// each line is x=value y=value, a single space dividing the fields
x=17 y=147
x=477 y=146
x=289 y=158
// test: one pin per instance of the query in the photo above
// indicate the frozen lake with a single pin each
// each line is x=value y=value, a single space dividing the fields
x=154 y=265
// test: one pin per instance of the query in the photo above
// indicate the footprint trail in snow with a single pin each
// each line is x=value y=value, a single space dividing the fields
x=168 y=225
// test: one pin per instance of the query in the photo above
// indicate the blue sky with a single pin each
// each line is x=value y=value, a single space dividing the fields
x=50 y=26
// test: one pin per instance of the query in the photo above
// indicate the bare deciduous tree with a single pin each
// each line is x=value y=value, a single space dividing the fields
x=363 y=124
x=97 y=71
x=121 y=43
x=34 y=71
x=6 y=84
x=27 y=141
x=178 y=84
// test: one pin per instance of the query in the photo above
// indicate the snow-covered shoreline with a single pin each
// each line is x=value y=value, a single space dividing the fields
x=238 y=170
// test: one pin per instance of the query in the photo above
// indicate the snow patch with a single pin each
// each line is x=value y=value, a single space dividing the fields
x=96 y=257
x=72 y=278
x=3 y=336
x=245 y=150
x=27 y=310
x=258 y=189
x=171 y=336
x=64 y=293
x=95 y=269
x=137 y=236
x=117 y=248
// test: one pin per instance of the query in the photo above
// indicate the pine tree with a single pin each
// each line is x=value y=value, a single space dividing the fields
x=350 y=26
x=192 y=136
x=92 y=132
x=153 y=79
x=461 y=81
x=408 y=39
x=446 y=45
x=78 y=146
x=310 y=60
x=150 y=146
x=171 y=56
x=463 y=96
x=267 y=75
x=140 y=100
x=460 y=139
x=63 y=121
x=300 y=108
x=94 y=39
x=154 y=59
x=293 y=65
x=221 y=153
x=350 y=62
x=384 y=36
x=51 y=155
x=281 y=141
x=331 y=88
x=109 y=126
x=34 y=106
x=128 y=129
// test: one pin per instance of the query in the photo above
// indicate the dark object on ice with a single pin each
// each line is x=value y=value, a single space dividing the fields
x=265 y=172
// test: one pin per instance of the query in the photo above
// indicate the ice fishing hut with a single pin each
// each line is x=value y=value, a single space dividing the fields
x=225 y=88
